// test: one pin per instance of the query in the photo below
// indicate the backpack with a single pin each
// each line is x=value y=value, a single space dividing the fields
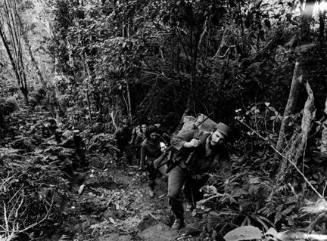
x=201 y=122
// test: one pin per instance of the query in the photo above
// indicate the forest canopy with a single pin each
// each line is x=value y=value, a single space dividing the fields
x=72 y=70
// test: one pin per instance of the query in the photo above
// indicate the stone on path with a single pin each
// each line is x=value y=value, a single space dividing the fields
x=115 y=237
x=158 y=232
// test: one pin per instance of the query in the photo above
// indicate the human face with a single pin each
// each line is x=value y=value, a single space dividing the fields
x=163 y=146
x=124 y=123
x=217 y=138
x=153 y=135
x=143 y=128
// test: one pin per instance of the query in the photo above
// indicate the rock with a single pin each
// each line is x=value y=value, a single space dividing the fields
x=147 y=222
x=158 y=232
x=115 y=237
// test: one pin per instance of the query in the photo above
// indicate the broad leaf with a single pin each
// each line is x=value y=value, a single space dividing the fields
x=243 y=233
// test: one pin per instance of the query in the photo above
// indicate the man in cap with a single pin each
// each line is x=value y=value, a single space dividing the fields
x=197 y=153
x=150 y=151
x=122 y=136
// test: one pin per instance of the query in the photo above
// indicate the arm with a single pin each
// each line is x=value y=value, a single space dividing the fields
x=138 y=139
x=185 y=139
x=143 y=154
x=133 y=138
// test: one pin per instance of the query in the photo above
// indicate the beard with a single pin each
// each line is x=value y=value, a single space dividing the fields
x=154 y=140
x=214 y=145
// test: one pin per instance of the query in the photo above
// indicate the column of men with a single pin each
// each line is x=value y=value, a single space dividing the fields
x=191 y=155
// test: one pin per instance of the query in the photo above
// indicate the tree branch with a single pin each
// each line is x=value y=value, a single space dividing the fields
x=283 y=156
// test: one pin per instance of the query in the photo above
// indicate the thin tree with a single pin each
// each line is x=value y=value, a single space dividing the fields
x=11 y=36
x=297 y=148
x=323 y=146
x=29 y=48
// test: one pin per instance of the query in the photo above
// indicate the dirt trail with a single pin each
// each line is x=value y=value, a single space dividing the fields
x=106 y=201
x=114 y=205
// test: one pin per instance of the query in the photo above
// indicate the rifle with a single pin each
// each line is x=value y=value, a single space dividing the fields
x=158 y=162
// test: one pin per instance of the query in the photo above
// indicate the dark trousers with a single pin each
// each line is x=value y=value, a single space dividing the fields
x=177 y=178
x=125 y=148
x=152 y=175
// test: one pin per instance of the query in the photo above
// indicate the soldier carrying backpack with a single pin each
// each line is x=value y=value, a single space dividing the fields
x=199 y=148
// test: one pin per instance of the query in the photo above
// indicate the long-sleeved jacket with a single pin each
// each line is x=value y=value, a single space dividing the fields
x=149 y=151
x=122 y=136
x=196 y=159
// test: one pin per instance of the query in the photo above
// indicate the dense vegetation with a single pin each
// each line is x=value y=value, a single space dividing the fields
x=258 y=65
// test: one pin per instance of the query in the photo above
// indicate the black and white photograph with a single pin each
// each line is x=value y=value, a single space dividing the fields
x=163 y=120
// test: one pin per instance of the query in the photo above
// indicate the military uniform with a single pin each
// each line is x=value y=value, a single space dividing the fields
x=191 y=170
x=122 y=137
x=150 y=151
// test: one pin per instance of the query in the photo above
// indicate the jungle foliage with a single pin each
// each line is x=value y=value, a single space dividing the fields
x=209 y=56
x=257 y=65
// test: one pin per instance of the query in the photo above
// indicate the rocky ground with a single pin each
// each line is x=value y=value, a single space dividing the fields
x=113 y=204
x=106 y=200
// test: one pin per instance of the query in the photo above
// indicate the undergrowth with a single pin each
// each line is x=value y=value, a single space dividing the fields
x=249 y=194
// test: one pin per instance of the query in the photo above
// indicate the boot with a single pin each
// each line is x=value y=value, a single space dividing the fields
x=178 y=224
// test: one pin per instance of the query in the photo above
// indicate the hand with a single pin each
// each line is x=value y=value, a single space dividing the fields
x=193 y=143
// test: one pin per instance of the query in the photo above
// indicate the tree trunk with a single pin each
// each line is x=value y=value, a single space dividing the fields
x=297 y=74
x=299 y=140
x=87 y=75
x=195 y=43
x=322 y=26
x=11 y=58
x=323 y=145
x=35 y=63
x=291 y=102
x=306 y=20
x=13 y=46
x=129 y=103
x=307 y=119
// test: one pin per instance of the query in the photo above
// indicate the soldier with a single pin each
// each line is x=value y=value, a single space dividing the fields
x=150 y=151
x=198 y=152
x=138 y=136
x=122 y=136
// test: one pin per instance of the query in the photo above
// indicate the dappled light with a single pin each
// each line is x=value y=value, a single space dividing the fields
x=182 y=120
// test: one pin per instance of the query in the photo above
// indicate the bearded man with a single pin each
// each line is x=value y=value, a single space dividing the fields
x=197 y=153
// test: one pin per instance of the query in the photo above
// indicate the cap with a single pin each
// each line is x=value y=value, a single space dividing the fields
x=124 y=121
x=150 y=130
x=224 y=129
